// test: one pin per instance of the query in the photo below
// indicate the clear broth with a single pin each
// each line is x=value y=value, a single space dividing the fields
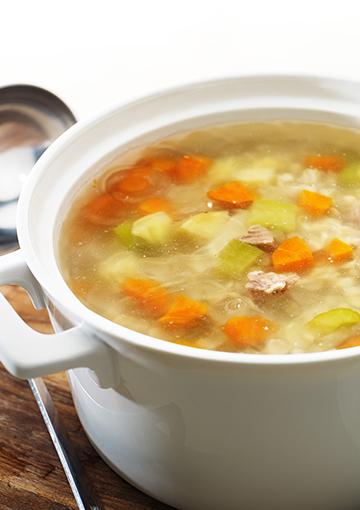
x=95 y=264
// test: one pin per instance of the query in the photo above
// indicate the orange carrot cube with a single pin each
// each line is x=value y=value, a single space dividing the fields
x=249 y=331
x=232 y=195
x=338 y=251
x=314 y=203
x=189 y=168
x=103 y=210
x=184 y=313
x=148 y=294
x=292 y=255
x=325 y=163
x=157 y=204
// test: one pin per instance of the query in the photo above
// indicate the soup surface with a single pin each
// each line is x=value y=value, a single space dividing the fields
x=241 y=237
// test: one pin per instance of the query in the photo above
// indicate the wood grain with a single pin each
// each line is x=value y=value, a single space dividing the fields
x=31 y=476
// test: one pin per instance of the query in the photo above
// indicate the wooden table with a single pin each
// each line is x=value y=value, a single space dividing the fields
x=31 y=476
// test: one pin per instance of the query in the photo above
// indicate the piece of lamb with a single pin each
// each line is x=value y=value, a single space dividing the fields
x=259 y=236
x=270 y=283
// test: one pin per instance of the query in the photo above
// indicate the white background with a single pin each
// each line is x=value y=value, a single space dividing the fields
x=95 y=53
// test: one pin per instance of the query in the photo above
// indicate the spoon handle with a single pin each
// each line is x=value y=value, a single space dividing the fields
x=8 y=239
x=83 y=493
x=10 y=201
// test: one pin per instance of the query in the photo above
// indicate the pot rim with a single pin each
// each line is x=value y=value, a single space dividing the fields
x=100 y=324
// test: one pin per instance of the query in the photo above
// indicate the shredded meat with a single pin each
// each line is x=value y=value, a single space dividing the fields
x=270 y=283
x=259 y=236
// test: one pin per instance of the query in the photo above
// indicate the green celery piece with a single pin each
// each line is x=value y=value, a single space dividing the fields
x=273 y=214
x=330 y=321
x=350 y=175
x=124 y=234
x=236 y=257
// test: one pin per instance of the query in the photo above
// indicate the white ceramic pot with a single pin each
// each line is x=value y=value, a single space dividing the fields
x=199 y=430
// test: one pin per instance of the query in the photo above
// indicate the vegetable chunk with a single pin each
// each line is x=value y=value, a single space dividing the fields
x=273 y=214
x=249 y=331
x=132 y=184
x=124 y=234
x=154 y=228
x=148 y=294
x=350 y=175
x=330 y=321
x=237 y=257
x=292 y=255
x=325 y=163
x=153 y=205
x=314 y=203
x=338 y=251
x=103 y=210
x=189 y=168
x=234 y=168
x=118 y=267
x=232 y=194
x=184 y=313
x=205 y=225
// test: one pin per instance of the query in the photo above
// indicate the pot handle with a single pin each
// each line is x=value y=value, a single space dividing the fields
x=27 y=353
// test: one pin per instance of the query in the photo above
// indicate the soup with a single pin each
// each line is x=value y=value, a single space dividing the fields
x=239 y=238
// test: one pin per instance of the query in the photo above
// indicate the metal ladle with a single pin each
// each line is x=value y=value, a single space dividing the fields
x=31 y=118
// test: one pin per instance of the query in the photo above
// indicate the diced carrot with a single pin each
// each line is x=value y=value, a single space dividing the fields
x=326 y=162
x=130 y=185
x=249 y=331
x=232 y=194
x=353 y=341
x=133 y=184
x=184 y=313
x=183 y=170
x=292 y=255
x=103 y=210
x=157 y=204
x=189 y=168
x=338 y=251
x=314 y=203
x=148 y=294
